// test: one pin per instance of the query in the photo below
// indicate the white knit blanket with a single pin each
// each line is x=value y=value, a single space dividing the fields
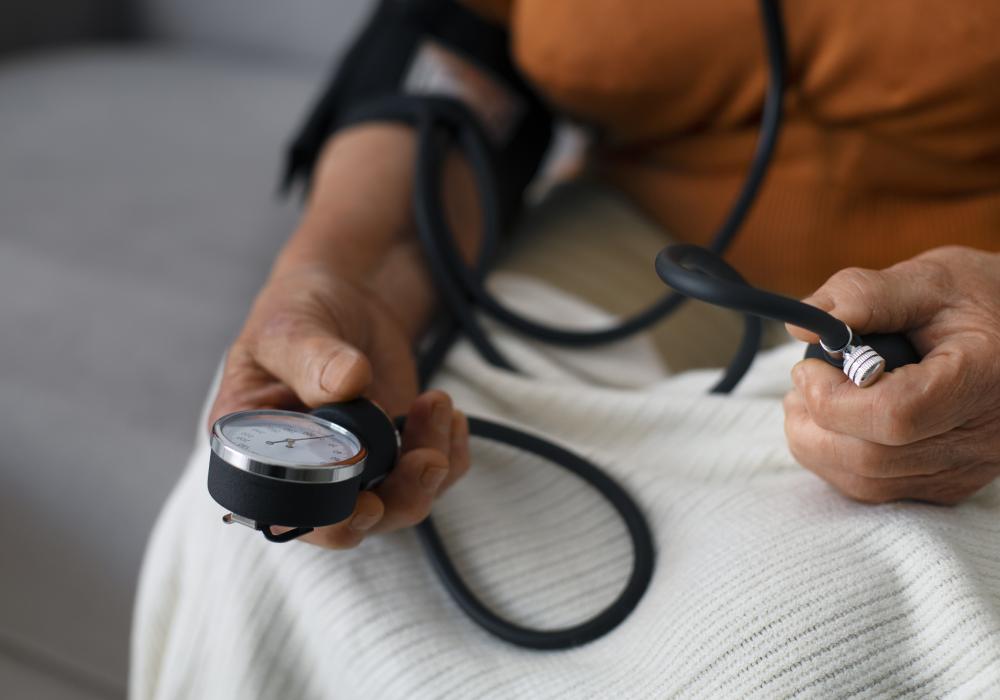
x=767 y=583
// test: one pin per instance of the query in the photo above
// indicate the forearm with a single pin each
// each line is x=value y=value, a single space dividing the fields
x=358 y=222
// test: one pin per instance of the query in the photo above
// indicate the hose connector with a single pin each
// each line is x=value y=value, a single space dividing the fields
x=862 y=364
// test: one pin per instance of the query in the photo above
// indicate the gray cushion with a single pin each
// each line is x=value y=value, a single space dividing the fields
x=137 y=218
x=301 y=30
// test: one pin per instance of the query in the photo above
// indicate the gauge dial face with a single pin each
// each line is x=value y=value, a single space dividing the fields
x=288 y=438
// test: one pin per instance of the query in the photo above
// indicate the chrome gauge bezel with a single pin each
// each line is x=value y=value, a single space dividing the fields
x=286 y=470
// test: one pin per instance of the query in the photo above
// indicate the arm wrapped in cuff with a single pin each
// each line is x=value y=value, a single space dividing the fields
x=420 y=55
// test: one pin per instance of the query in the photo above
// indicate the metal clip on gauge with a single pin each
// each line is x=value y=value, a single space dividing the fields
x=701 y=274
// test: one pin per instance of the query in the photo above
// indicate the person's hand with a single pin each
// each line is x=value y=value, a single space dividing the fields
x=312 y=338
x=347 y=298
x=929 y=431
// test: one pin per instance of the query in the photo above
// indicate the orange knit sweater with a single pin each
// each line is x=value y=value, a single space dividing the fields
x=891 y=142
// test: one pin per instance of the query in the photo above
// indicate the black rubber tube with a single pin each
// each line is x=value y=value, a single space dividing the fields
x=744 y=357
x=700 y=274
x=447 y=268
x=643 y=554
x=428 y=204
x=461 y=289
x=463 y=292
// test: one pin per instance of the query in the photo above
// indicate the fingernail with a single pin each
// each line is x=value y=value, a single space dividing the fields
x=433 y=477
x=363 y=521
x=339 y=375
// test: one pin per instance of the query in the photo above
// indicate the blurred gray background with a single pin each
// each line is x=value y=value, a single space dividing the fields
x=140 y=146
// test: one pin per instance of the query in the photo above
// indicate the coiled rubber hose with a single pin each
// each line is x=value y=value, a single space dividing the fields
x=445 y=124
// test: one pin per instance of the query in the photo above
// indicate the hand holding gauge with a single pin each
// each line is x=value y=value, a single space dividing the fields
x=280 y=468
x=277 y=467
x=313 y=338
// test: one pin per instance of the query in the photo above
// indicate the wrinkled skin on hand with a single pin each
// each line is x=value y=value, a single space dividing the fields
x=929 y=431
x=314 y=337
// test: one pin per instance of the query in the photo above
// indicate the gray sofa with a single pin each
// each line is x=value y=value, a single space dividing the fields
x=140 y=145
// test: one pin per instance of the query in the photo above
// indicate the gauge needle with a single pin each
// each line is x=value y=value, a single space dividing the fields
x=290 y=442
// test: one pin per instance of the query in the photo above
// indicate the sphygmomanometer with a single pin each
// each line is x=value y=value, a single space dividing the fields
x=303 y=470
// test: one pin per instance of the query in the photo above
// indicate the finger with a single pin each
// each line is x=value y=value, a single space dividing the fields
x=896 y=299
x=395 y=384
x=911 y=403
x=319 y=367
x=801 y=334
x=459 y=458
x=245 y=386
x=409 y=490
x=428 y=423
x=942 y=488
x=825 y=452
x=368 y=512
x=811 y=449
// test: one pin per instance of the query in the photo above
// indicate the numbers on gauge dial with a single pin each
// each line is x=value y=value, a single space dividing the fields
x=289 y=437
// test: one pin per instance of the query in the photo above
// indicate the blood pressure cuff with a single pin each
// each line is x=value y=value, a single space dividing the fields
x=434 y=52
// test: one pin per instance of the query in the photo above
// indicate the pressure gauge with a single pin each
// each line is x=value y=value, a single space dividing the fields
x=288 y=445
x=300 y=470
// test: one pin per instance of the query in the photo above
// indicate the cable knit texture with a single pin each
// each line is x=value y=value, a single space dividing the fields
x=768 y=583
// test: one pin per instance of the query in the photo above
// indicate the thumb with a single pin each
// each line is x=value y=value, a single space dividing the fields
x=897 y=299
x=318 y=366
